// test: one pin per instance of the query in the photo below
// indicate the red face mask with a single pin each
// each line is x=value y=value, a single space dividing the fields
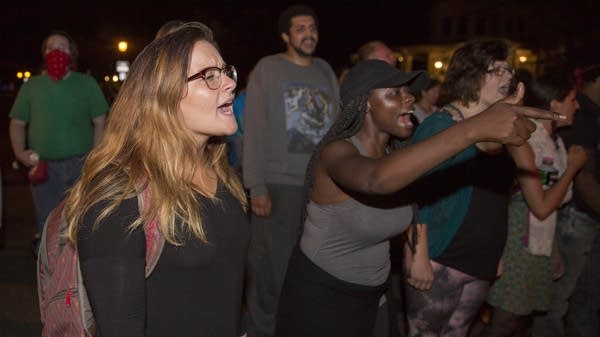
x=57 y=64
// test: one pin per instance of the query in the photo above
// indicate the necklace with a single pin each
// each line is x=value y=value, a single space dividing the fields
x=454 y=112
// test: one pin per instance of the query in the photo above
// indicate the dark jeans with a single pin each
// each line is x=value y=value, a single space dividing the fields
x=577 y=295
x=62 y=175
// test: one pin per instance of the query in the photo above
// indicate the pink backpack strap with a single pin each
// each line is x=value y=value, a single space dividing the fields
x=154 y=239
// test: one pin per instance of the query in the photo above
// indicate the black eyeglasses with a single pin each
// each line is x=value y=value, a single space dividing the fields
x=212 y=75
x=500 y=70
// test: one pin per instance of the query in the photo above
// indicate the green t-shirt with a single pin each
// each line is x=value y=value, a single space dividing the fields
x=59 y=114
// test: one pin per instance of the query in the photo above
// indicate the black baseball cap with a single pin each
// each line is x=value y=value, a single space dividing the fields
x=373 y=74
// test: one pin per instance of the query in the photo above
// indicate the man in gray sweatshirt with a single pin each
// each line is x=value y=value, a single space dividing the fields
x=292 y=99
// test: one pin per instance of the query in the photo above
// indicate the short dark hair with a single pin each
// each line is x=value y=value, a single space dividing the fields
x=285 y=18
x=72 y=47
x=555 y=84
x=432 y=82
x=468 y=66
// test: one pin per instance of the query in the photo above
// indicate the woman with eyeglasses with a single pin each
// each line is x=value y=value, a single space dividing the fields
x=531 y=260
x=463 y=201
x=165 y=138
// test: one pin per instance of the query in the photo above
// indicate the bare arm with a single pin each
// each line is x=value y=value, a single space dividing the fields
x=418 y=268
x=17 y=131
x=98 y=128
x=543 y=202
x=502 y=122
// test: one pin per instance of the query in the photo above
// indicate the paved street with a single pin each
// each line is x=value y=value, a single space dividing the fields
x=19 y=314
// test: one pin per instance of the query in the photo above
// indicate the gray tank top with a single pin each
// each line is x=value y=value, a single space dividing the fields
x=350 y=240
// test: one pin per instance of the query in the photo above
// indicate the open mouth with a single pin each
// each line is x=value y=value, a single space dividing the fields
x=226 y=108
x=309 y=42
x=404 y=119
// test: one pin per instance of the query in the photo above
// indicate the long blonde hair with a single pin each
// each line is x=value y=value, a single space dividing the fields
x=146 y=145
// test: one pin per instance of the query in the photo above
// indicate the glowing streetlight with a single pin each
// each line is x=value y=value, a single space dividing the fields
x=522 y=59
x=438 y=64
x=122 y=46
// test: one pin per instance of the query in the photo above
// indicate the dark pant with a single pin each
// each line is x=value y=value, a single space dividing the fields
x=273 y=239
x=62 y=175
x=506 y=324
x=315 y=303
x=577 y=296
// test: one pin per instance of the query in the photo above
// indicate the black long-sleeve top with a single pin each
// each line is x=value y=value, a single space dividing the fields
x=195 y=289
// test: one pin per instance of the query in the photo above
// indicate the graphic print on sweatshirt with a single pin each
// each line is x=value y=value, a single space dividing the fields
x=309 y=113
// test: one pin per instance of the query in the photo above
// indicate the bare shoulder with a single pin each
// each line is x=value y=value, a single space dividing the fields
x=338 y=150
x=325 y=190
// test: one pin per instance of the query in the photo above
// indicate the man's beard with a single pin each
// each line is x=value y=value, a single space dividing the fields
x=302 y=52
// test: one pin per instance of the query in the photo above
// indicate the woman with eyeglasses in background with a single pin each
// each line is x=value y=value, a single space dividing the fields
x=166 y=135
x=531 y=260
x=463 y=201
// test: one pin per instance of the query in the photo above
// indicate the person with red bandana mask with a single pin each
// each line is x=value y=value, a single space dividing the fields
x=56 y=119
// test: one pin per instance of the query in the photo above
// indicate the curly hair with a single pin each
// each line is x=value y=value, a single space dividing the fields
x=284 y=23
x=467 y=69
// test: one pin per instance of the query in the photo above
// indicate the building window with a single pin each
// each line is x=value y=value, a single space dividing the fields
x=420 y=62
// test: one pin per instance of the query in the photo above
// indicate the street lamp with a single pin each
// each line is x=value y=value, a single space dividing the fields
x=24 y=75
x=122 y=66
x=122 y=46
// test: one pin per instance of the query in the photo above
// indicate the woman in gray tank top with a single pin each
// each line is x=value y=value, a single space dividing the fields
x=337 y=275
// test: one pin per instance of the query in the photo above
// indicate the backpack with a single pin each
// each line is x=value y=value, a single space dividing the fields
x=64 y=306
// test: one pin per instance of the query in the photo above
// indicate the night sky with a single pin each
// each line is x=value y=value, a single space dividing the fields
x=245 y=30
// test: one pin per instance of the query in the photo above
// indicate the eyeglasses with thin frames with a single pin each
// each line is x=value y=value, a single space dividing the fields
x=213 y=75
x=500 y=70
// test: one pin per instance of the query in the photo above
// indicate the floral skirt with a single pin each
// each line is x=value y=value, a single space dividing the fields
x=526 y=282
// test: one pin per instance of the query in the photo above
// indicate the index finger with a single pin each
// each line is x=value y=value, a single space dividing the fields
x=536 y=113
